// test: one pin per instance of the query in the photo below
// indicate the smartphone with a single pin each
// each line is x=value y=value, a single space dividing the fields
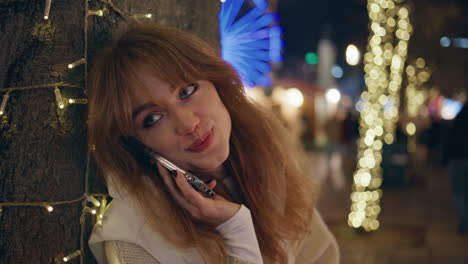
x=141 y=151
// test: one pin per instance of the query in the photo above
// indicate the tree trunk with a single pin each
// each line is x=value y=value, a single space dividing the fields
x=43 y=149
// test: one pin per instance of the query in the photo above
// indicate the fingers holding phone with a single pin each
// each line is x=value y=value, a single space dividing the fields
x=202 y=209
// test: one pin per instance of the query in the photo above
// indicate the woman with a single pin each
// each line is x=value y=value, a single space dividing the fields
x=171 y=91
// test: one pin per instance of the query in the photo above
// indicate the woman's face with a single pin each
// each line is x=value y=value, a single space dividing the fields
x=188 y=125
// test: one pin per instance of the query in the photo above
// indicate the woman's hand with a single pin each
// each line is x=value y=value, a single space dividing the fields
x=205 y=210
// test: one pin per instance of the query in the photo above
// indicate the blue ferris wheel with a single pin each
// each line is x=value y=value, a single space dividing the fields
x=250 y=42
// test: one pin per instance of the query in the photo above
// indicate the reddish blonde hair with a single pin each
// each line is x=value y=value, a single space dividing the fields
x=262 y=156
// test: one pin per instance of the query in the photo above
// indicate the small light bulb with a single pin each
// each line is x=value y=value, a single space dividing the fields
x=72 y=255
x=93 y=200
x=4 y=102
x=76 y=63
x=89 y=210
x=99 y=12
x=48 y=208
x=77 y=101
x=47 y=8
x=149 y=15
x=58 y=98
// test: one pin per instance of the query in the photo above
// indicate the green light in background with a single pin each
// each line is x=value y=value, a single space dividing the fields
x=311 y=58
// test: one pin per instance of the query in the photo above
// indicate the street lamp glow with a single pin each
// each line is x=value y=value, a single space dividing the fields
x=337 y=71
x=352 y=55
x=333 y=95
x=445 y=42
x=294 y=97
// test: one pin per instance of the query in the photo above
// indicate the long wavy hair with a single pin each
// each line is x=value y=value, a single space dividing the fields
x=263 y=158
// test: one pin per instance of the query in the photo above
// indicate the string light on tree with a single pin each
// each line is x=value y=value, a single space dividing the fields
x=89 y=210
x=142 y=16
x=78 y=101
x=102 y=208
x=99 y=12
x=76 y=63
x=417 y=75
x=58 y=98
x=72 y=256
x=47 y=8
x=384 y=61
x=4 y=102
x=48 y=208
x=93 y=200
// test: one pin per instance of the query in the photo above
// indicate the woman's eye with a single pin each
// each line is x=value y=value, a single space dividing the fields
x=189 y=90
x=151 y=120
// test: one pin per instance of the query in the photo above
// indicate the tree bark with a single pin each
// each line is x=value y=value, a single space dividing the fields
x=43 y=149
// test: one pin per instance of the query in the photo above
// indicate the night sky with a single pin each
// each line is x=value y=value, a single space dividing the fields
x=305 y=21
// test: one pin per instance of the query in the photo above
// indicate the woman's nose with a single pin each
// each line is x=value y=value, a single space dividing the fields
x=186 y=121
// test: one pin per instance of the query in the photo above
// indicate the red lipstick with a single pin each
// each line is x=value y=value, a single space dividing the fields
x=202 y=143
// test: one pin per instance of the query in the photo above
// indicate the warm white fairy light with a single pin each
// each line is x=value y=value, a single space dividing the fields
x=89 y=210
x=47 y=8
x=397 y=65
x=72 y=256
x=93 y=200
x=417 y=74
x=99 y=12
x=58 y=98
x=48 y=208
x=76 y=63
x=140 y=16
x=78 y=101
x=102 y=208
x=3 y=104
x=383 y=64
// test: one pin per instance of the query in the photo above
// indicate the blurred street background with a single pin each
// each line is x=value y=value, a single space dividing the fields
x=348 y=64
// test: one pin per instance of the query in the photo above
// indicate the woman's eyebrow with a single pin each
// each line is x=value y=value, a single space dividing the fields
x=142 y=108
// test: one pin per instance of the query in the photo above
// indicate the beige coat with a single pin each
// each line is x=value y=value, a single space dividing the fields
x=124 y=221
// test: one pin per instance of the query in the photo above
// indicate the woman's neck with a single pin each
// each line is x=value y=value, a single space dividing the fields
x=217 y=174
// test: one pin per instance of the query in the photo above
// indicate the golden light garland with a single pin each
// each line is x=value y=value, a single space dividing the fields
x=58 y=95
x=98 y=207
x=418 y=74
x=384 y=62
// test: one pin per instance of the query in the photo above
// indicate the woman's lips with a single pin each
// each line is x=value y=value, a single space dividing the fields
x=199 y=145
